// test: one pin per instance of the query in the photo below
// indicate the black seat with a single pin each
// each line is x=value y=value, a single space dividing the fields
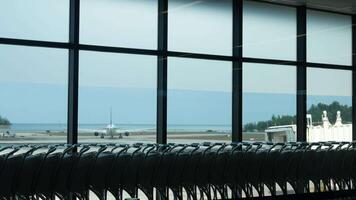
x=82 y=168
x=11 y=168
x=29 y=170
x=6 y=152
x=204 y=169
x=146 y=171
x=188 y=169
x=267 y=171
x=118 y=168
x=217 y=170
x=61 y=179
x=100 y=172
x=293 y=170
x=162 y=171
x=233 y=171
x=47 y=172
x=129 y=177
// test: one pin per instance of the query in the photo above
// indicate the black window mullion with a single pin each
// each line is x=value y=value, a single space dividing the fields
x=301 y=73
x=73 y=73
x=162 y=72
x=353 y=77
x=237 y=72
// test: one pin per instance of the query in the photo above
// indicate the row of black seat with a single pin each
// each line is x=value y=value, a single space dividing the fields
x=194 y=171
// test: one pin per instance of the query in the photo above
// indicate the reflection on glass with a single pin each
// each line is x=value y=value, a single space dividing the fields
x=117 y=97
x=123 y=23
x=33 y=97
x=199 y=100
x=35 y=19
x=269 y=31
x=329 y=38
x=200 y=26
x=329 y=105
x=269 y=102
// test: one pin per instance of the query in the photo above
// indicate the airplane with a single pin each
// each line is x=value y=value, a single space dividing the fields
x=111 y=130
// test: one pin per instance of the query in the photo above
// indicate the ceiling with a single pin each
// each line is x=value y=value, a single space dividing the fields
x=342 y=6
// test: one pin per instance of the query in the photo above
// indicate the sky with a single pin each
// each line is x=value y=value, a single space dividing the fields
x=33 y=81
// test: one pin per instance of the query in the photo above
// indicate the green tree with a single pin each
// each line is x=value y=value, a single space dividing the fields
x=250 y=127
x=4 y=121
x=317 y=110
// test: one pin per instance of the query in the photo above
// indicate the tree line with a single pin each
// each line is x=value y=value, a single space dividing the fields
x=316 y=112
x=4 y=121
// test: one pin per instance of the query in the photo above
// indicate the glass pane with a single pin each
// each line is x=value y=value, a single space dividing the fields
x=329 y=105
x=329 y=38
x=117 y=97
x=33 y=95
x=200 y=26
x=122 y=23
x=199 y=100
x=269 y=102
x=269 y=31
x=35 y=19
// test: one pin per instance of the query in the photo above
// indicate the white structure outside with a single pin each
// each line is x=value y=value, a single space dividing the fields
x=320 y=133
x=281 y=133
x=328 y=131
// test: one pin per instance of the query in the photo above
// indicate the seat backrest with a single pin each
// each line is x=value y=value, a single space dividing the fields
x=7 y=177
x=24 y=181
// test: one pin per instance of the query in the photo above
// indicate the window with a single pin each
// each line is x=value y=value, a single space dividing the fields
x=123 y=85
x=200 y=26
x=199 y=100
x=269 y=31
x=329 y=105
x=124 y=23
x=329 y=38
x=269 y=102
x=118 y=71
x=35 y=19
x=33 y=97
